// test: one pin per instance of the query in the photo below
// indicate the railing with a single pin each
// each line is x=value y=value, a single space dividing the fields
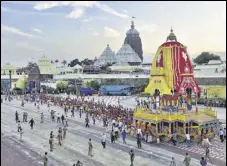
x=139 y=113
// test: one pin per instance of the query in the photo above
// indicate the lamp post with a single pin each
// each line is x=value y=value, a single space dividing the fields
x=10 y=80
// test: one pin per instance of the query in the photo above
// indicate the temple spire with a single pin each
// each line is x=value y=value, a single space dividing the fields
x=132 y=25
x=172 y=36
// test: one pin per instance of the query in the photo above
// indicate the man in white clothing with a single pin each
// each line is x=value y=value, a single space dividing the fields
x=188 y=142
x=221 y=134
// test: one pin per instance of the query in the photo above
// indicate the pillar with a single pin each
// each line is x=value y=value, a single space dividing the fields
x=177 y=126
x=157 y=127
x=162 y=127
x=170 y=123
x=174 y=128
x=184 y=125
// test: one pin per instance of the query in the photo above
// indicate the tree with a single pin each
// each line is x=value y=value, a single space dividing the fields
x=62 y=86
x=74 y=63
x=64 y=62
x=87 y=62
x=205 y=57
x=95 y=85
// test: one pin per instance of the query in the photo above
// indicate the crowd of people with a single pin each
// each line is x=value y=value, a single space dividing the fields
x=116 y=119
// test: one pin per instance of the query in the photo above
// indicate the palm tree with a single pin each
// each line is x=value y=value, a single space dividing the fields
x=56 y=61
x=64 y=62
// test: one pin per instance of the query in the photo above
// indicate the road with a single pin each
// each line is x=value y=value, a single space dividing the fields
x=75 y=145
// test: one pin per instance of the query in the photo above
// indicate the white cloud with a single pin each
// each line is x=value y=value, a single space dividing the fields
x=149 y=28
x=5 y=28
x=37 y=30
x=110 y=10
x=28 y=46
x=109 y=32
x=76 y=13
x=9 y=10
x=78 y=5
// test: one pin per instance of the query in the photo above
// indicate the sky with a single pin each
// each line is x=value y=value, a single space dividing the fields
x=67 y=30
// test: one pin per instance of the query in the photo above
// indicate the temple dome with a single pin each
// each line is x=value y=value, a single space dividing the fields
x=172 y=36
x=132 y=31
x=134 y=40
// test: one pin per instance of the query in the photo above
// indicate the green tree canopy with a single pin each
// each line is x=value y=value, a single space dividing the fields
x=94 y=84
x=87 y=62
x=205 y=57
x=74 y=63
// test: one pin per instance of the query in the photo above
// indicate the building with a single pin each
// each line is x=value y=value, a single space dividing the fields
x=107 y=56
x=134 y=40
x=172 y=69
x=127 y=56
x=8 y=67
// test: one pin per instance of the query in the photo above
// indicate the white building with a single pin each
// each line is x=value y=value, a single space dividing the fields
x=107 y=56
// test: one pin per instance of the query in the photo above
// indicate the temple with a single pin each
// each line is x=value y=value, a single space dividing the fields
x=107 y=56
x=134 y=40
x=127 y=56
x=172 y=70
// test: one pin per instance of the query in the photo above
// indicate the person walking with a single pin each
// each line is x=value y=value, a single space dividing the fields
x=16 y=116
x=24 y=115
x=173 y=163
x=58 y=119
x=60 y=132
x=188 y=142
x=203 y=161
x=59 y=138
x=87 y=122
x=45 y=159
x=187 y=160
x=90 y=147
x=51 y=144
x=21 y=133
x=207 y=155
x=42 y=118
x=139 y=141
x=62 y=119
x=132 y=157
x=112 y=136
x=221 y=134
x=31 y=122
x=66 y=121
x=124 y=136
x=103 y=140
x=19 y=127
x=174 y=138
x=64 y=131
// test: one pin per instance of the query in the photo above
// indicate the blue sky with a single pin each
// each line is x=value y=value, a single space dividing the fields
x=68 y=30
